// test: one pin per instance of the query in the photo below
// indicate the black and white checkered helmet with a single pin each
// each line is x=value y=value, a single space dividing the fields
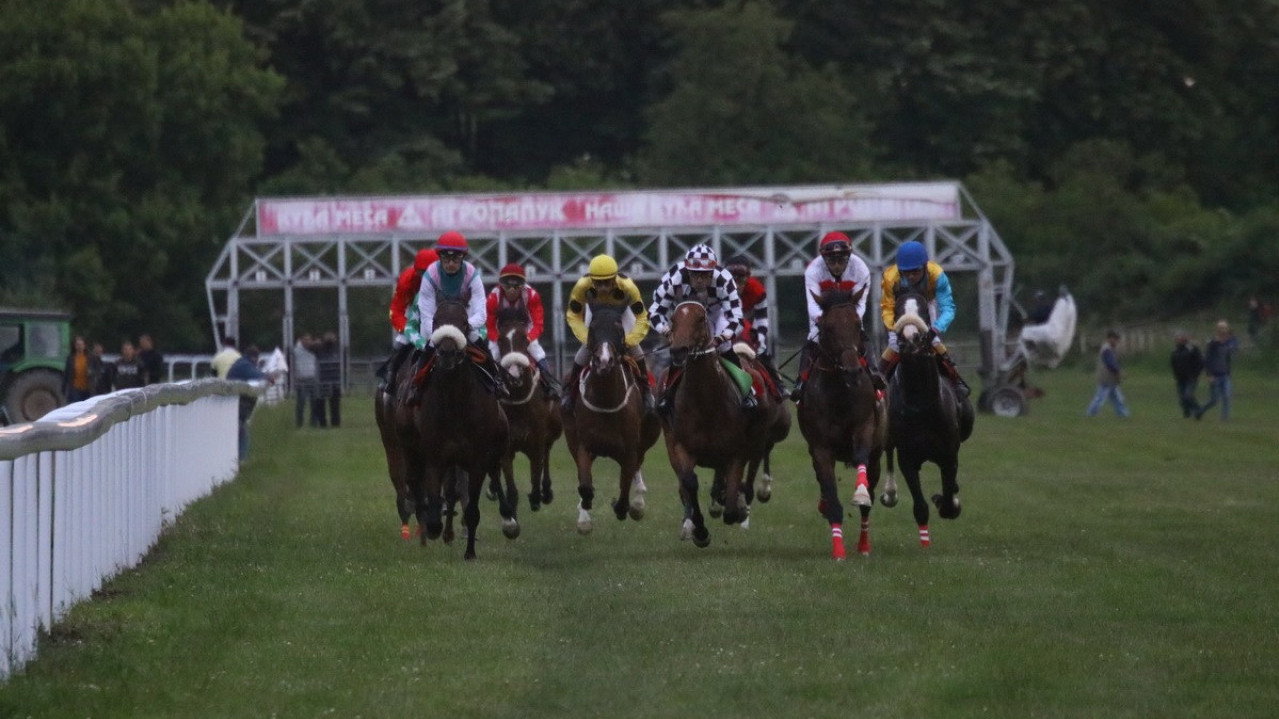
x=701 y=257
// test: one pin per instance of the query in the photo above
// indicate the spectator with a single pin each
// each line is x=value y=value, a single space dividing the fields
x=1108 y=377
x=223 y=360
x=81 y=372
x=106 y=371
x=329 y=367
x=128 y=371
x=1217 y=360
x=154 y=369
x=306 y=378
x=245 y=368
x=1258 y=314
x=1187 y=364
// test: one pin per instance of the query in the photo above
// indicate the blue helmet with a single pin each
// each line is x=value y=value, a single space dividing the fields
x=911 y=256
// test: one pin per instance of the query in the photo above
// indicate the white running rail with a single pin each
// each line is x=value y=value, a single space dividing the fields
x=86 y=490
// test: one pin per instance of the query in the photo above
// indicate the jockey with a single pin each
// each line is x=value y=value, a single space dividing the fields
x=454 y=278
x=402 y=304
x=836 y=268
x=604 y=285
x=699 y=277
x=754 y=312
x=512 y=291
x=913 y=270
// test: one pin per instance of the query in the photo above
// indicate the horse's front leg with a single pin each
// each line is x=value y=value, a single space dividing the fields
x=948 y=501
x=629 y=467
x=585 y=491
x=888 y=497
x=910 y=471
x=427 y=497
x=471 y=515
x=694 y=524
x=736 y=510
x=828 y=503
x=547 y=494
x=508 y=501
x=537 y=459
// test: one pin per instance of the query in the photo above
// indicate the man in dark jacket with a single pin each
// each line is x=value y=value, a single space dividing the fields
x=1217 y=360
x=1187 y=365
x=245 y=368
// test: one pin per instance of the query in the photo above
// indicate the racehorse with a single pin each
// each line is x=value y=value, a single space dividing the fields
x=454 y=421
x=608 y=419
x=534 y=419
x=707 y=426
x=840 y=416
x=385 y=403
x=779 y=422
x=927 y=420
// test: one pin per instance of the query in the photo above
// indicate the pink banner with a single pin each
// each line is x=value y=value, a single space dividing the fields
x=593 y=210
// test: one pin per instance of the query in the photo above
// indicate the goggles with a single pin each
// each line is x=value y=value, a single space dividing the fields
x=837 y=256
x=511 y=282
x=451 y=255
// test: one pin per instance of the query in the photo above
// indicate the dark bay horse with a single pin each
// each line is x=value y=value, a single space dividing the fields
x=779 y=423
x=840 y=415
x=608 y=419
x=385 y=402
x=454 y=421
x=707 y=426
x=534 y=418
x=927 y=420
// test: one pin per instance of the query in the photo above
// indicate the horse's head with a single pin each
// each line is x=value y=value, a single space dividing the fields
x=911 y=323
x=512 y=330
x=449 y=336
x=839 y=329
x=605 y=337
x=690 y=332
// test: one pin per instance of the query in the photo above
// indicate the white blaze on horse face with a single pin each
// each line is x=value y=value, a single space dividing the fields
x=606 y=352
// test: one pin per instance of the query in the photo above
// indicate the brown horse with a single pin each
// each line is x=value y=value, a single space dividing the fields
x=608 y=419
x=840 y=415
x=385 y=401
x=452 y=421
x=534 y=419
x=707 y=426
x=779 y=423
x=927 y=419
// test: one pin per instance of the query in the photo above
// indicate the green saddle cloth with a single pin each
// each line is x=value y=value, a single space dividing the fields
x=739 y=375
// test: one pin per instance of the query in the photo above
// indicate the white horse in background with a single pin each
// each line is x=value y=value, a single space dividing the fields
x=1046 y=344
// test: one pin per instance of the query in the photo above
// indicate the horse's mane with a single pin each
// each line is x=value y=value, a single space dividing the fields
x=512 y=314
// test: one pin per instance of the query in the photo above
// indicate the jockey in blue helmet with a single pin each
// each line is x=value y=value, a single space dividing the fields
x=914 y=271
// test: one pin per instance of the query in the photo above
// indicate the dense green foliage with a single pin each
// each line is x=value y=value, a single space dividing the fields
x=1101 y=568
x=1126 y=150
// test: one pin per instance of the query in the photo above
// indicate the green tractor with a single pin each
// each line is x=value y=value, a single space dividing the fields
x=34 y=345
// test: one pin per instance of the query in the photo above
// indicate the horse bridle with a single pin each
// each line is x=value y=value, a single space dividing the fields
x=627 y=382
x=709 y=348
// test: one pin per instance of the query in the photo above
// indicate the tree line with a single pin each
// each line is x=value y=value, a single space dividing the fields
x=1124 y=149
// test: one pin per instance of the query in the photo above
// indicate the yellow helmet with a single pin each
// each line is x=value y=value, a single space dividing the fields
x=603 y=267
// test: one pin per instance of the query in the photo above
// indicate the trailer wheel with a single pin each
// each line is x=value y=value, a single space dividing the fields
x=1007 y=402
x=32 y=395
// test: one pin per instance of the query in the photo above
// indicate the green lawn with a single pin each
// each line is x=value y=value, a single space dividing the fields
x=1101 y=568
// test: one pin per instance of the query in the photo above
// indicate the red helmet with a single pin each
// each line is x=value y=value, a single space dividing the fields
x=835 y=242
x=424 y=259
x=453 y=241
x=511 y=270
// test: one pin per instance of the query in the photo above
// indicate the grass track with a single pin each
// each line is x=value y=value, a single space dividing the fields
x=1102 y=567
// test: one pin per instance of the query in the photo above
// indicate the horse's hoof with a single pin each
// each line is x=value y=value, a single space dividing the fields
x=510 y=528
x=765 y=491
x=861 y=497
x=686 y=530
x=888 y=499
x=715 y=509
x=636 y=511
x=469 y=556
x=547 y=495
x=701 y=537
x=404 y=532
x=947 y=511
x=533 y=503
x=619 y=510
x=746 y=524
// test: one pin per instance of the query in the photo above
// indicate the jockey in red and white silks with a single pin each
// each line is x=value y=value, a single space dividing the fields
x=820 y=276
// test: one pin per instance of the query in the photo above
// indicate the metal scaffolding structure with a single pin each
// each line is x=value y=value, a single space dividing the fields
x=362 y=248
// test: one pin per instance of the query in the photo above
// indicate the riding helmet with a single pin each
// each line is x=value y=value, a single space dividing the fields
x=453 y=241
x=911 y=256
x=424 y=259
x=603 y=267
x=835 y=243
x=700 y=257
x=511 y=270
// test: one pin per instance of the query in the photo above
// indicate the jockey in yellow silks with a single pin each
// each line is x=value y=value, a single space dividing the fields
x=604 y=285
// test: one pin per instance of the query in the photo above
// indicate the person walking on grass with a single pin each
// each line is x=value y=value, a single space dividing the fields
x=1108 y=377
x=1187 y=364
x=1217 y=358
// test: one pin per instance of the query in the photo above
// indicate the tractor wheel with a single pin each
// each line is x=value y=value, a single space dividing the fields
x=33 y=394
x=1008 y=402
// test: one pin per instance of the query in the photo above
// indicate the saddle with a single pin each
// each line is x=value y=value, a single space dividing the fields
x=479 y=362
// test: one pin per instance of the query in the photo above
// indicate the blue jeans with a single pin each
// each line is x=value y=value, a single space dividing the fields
x=1186 y=396
x=1111 y=392
x=1219 y=388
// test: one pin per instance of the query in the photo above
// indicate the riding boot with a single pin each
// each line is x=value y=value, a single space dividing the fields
x=805 y=365
x=646 y=391
x=494 y=372
x=550 y=387
x=570 y=388
x=888 y=364
x=952 y=372
x=393 y=364
x=748 y=400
